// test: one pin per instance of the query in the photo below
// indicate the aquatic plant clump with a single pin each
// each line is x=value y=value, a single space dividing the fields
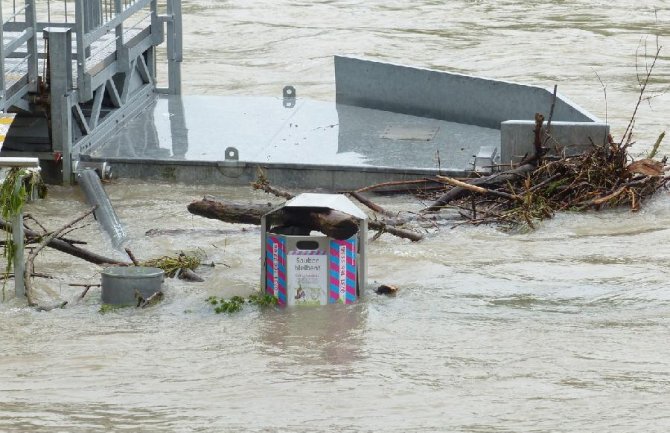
x=172 y=265
x=235 y=304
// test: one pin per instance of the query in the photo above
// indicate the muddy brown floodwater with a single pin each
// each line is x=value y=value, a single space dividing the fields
x=563 y=329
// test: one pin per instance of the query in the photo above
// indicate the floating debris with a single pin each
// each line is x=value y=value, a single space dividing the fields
x=385 y=289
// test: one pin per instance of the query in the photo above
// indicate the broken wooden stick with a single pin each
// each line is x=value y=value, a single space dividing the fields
x=457 y=193
x=369 y=203
x=30 y=262
x=67 y=248
x=263 y=185
x=415 y=183
x=131 y=256
x=188 y=275
x=478 y=189
x=151 y=300
x=381 y=226
x=86 y=287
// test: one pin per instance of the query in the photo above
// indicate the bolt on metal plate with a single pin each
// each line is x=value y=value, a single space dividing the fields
x=289 y=96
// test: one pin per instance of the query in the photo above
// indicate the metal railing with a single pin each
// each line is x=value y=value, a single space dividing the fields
x=101 y=29
x=104 y=31
x=18 y=66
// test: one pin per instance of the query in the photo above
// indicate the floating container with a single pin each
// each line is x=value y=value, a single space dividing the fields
x=313 y=269
x=121 y=285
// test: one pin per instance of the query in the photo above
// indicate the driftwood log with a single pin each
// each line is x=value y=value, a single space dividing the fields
x=67 y=248
x=91 y=257
x=228 y=211
x=332 y=223
x=381 y=226
x=335 y=224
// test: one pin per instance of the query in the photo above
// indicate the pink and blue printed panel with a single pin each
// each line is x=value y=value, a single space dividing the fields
x=342 y=271
x=275 y=264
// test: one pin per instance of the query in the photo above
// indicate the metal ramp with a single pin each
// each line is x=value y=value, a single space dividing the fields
x=74 y=71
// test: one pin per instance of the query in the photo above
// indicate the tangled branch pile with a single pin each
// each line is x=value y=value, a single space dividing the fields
x=604 y=176
x=601 y=177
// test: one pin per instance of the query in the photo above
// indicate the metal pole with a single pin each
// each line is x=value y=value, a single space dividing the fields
x=174 y=46
x=119 y=28
x=17 y=223
x=31 y=21
x=2 y=63
x=17 y=238
x=60 y=77
x=92 y=14
x=81 y=49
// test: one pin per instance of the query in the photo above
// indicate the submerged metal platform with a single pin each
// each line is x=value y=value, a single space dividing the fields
x=389 y=122
x=202 y=139
x=82 y=84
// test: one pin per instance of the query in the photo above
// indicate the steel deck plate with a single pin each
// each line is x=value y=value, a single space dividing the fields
x=262 y=131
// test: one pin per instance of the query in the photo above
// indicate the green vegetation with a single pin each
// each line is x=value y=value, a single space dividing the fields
x=15 y=189
x=13 y=196
x=263 y=299
x=236 y=303
x=170 y=265
x=109 y=308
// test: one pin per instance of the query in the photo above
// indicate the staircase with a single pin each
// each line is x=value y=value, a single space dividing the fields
x=74 y=72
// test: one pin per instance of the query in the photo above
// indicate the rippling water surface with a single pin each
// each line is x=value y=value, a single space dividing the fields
x=561 y=330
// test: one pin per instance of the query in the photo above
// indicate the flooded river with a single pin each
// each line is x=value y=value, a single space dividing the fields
x=561 y=330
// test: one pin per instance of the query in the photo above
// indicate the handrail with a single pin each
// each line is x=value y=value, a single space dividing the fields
x=116 y=12
x=28 y=37
x=92 y=22
x=15 y=14
x=95 y=35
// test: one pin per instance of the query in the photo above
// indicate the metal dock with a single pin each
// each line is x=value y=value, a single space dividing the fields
x=74 y=71
x=83 y=85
